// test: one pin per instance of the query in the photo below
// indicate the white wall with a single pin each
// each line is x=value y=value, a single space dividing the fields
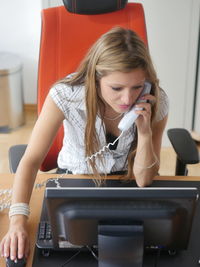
x=20 y=34
x=173 y=36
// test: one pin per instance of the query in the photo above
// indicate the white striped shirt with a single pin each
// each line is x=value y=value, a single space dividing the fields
x=71 y=101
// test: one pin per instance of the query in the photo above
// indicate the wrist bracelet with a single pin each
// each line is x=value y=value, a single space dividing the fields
x=19 y=208
x=148 y=167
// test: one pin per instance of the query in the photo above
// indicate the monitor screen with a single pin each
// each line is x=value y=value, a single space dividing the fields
x=121 y=221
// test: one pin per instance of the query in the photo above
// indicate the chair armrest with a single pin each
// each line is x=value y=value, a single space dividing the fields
x=184 y=145
x=15 y=154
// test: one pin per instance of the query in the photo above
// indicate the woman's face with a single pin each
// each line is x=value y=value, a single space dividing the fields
x=120 y=90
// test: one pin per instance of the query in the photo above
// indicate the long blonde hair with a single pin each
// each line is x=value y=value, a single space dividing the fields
x=121 y=50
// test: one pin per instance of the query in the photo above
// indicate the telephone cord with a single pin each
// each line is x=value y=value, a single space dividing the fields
x=104 y=148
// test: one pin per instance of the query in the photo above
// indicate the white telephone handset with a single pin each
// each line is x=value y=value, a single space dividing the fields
x=129 y=118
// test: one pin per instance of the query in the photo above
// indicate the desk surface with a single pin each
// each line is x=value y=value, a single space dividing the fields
x=6 y=181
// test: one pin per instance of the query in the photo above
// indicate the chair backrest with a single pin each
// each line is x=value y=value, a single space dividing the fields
x=65 y=39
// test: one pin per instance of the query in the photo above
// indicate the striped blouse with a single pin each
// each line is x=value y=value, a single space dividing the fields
x=71 y=101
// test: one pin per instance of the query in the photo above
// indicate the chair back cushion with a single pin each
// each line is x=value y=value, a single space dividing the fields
x=65 y=39
x=91 y=7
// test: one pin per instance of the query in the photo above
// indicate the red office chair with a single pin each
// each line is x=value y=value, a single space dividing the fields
x=66 y=36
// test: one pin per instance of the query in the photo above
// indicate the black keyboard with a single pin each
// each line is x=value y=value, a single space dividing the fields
x=44 y=239
x=44 y=231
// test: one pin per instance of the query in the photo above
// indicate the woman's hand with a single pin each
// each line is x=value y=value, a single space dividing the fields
x=143 y=121
x=15 y=243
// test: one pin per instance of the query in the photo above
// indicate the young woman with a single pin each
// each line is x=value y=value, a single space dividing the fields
x=90 y=103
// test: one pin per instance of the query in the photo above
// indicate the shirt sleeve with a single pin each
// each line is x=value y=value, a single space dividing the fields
x=163 y=106
x=60 y=93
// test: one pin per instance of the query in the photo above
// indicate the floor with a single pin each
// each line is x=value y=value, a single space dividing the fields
x=22 y=134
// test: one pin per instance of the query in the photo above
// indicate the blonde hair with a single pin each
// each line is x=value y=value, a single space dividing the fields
x=121 y=50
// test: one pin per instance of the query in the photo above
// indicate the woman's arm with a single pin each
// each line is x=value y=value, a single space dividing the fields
x=42 y=136
x=146 y=164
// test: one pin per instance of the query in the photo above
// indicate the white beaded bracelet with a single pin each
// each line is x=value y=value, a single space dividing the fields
x=19 y=208
x=148 y=167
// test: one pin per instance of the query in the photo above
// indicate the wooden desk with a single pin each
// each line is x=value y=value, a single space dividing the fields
x=6 y=181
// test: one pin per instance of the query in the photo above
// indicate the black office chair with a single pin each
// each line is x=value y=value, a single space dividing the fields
x=185 y=148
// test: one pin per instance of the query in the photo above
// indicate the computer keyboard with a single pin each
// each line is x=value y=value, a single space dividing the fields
x=44 y=232
x=44 y=237
x=44 y=240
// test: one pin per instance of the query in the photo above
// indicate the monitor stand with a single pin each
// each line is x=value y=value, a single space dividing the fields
x=120 y=245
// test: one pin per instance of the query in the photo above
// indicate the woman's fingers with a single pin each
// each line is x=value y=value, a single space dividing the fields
x=27 y=248
x=143 y=122
x=13 y=247
x=21 y=245
x=142 y=108
x=149 y=98
x=2 y=247
x=6 y=246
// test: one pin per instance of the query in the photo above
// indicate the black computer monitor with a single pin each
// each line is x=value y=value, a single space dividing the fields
x=121 y=222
